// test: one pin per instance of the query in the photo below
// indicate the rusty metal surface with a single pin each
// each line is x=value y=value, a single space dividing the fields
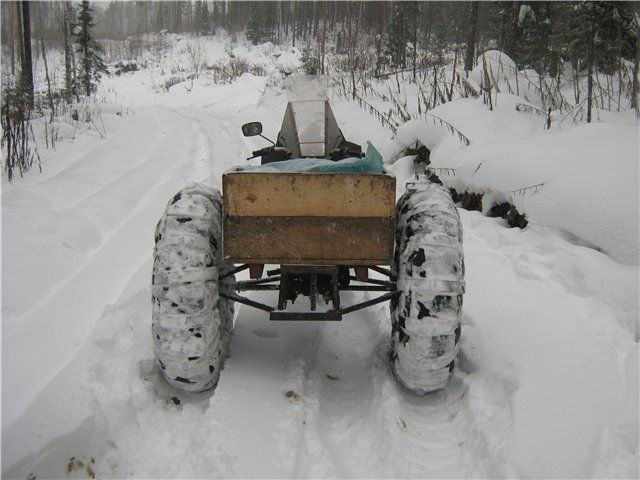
x=255 y=271
x=362 y=274
x=313 y=240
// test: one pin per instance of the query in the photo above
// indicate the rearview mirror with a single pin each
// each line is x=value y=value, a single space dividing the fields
x=251 y=129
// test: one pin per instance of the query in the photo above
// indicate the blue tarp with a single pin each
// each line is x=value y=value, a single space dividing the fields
x=371 y=163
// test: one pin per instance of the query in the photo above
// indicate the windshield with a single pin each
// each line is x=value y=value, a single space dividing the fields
x=310 y=121
x=309 y=129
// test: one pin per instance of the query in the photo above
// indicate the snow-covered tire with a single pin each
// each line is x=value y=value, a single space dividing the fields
x=191 y=324
x=429 y=264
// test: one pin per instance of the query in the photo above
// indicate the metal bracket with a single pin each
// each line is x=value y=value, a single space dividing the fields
x=247 y=301
x=331 y=315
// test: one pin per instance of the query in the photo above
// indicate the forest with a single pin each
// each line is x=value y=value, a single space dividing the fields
x=590 y=46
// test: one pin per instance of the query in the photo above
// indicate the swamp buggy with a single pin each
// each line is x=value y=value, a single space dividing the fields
x=325 y=225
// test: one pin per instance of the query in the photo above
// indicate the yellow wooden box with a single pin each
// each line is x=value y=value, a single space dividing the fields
x=308 y=218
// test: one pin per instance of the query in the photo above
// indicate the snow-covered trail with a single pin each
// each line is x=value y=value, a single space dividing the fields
x=357 y=422
x=302 y=399
x=347 y=416
x=118 y=207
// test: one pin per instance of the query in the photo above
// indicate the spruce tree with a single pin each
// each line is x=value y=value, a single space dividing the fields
x=534 y=49
x=91 y=63
x=470 y=54
x=204 y=22
x=397 y=42
x=254 y=29
x=309 y=61
x=201 y=16
x=262 y=22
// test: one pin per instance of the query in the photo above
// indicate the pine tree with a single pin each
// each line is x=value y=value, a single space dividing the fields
x=309 y=61
x=603 y=34
x=262 y=22
x=533 y=49
x=204 y=21
x=201 y=17
x=397 y=42
x=91 y=63
x=503 y=25
x=254 y=29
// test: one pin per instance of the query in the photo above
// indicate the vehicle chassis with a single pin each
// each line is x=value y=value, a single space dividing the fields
x=286 y=280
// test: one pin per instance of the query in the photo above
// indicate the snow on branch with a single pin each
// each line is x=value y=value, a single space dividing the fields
x=523 y=107
x=453 y=130
x=469 y=88
x=533 y=189
x=386 y=122
x=340 y=89
x=404 y=152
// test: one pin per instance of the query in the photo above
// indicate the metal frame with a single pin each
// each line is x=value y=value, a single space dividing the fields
x=279 y=278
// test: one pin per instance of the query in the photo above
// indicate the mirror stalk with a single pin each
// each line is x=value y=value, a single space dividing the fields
x=267 y=139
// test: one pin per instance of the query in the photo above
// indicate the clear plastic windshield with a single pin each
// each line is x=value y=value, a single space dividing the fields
x=309 y=128
x=310 y=122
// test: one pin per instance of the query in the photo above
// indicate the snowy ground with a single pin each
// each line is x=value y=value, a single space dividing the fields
x=547 y=384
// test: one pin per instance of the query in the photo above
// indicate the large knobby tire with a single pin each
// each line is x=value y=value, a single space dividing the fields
x=429 y=264
x=191 y=324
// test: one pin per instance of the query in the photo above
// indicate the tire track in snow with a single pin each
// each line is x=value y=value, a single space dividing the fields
x=106 y=206
x=338 y=394
x=78 y=300
x=110 y=200
x=207 y=153
x=113 y=158
x=357 y=422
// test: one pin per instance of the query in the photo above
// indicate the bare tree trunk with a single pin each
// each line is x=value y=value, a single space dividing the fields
x=453 y=75
x=68 y=53
x=359 y=23
x=46 y=71
x=15 y=25
x=634 y=82
x=435 y=86
x=415 y=40
x=323 y=43
x=511 y=30
x=429 y=22
x=349 y=24
x=472 y=36
x=279 y=22
x=293 y=21
x=26 y=72
x=590 y=74
x=334 y=18
x=13 y=58
x=316 y=18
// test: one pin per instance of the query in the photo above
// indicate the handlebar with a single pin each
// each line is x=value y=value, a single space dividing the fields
x=261 y=152
x=345 y=152
x=267 y=150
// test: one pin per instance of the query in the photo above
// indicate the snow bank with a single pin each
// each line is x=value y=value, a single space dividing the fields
x=493 y=67
x=582 y=180
x=551 y=337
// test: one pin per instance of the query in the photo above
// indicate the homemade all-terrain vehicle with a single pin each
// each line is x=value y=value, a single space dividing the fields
x=322 y=217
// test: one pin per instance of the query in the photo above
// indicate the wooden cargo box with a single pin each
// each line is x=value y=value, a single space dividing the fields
x=308 y=218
